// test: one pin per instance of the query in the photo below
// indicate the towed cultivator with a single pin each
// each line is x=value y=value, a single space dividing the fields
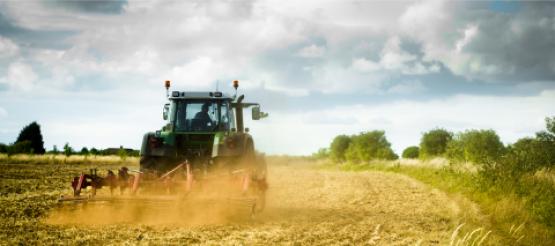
x=204 y=151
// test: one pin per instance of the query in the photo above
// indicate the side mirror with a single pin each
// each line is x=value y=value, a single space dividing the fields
x=257 y=114
x=166 y=111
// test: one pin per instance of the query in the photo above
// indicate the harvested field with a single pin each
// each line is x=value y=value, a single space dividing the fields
x=305 y=206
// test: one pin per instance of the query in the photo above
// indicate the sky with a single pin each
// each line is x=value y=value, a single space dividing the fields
x=91 y=73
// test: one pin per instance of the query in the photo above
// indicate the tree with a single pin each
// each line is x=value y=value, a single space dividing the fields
x=477 y=146
x=68 y=151
x=525 y=156
x=32 y=134
x=434 y=143
x=369 y=146
x=20 y=147
x=55 y=150
x=322 y=153
x=411 y=152
x=94 y=151
x=3 y=148
x=122 y=153
x=536 y=153
x=546 y=141
x=84 y=151
x=338 y=147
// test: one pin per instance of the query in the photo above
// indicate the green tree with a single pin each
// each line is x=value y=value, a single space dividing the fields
x=122 y=153
x=527 y=155
x=322 y=153
x=338 y=147
x=94 y=151
x=3 y=148
x=55 y=150
x=546 y=143
x=411 y=152
x=369 y=146
x=434 y=143
x=20 y=147
x=68 y=151
x=477 y=146
x=32 y=134
x=84 y=151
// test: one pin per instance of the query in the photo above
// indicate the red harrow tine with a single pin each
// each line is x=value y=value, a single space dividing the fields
x=136 y=181
x=77 y=190
x=189 y=182
x=246 y=183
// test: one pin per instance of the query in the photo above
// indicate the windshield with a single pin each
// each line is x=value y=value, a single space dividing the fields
x=202 y=116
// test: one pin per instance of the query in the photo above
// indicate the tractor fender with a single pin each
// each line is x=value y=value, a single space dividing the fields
x=239 y=142
x=145 y=150
x=161 y=150
x=245 y=141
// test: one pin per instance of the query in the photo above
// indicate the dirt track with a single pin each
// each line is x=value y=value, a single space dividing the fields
x=310 y=206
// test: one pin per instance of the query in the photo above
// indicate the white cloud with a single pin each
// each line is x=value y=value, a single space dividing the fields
x=360 y=48
x=394 y=59
x=312 y=51
x=364 y=65
x=8 y=48
x=3 y=113
x=20 y=77
x=407 y=87
x=469 y=33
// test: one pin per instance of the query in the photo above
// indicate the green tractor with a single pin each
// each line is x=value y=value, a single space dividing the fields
x=203 y=148
x=205 y=136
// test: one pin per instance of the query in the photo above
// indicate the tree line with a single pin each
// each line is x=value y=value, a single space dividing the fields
x=478 y=146
x=30 y=141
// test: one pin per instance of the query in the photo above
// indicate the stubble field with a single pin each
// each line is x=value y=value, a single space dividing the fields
x=306 y=205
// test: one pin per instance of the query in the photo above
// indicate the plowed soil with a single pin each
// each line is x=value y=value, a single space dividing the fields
x=305 y=206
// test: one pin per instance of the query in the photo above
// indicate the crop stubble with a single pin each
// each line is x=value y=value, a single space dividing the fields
x=305 y=206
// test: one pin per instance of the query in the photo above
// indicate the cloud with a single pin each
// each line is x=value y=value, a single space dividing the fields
x=93 y=6
x=394 y=59
x=312 y=51
x=477 y=43
x=8 y=48
x=319 y=65
x=3 y=113
x=407 y=87
x=20 y=77
x=363 y=65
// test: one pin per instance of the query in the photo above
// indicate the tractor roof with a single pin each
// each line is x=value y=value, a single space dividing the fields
x=199 y=95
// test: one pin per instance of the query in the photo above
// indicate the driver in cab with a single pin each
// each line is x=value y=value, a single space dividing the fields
x=203 y=117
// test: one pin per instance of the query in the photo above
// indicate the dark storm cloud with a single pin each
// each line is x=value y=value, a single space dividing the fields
x=518 y=42
x=91 y=6
x=33 y=38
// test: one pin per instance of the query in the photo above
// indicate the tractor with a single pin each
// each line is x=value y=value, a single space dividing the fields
x=203 y=148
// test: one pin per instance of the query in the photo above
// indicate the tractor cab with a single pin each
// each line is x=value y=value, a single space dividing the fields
x=199 y=112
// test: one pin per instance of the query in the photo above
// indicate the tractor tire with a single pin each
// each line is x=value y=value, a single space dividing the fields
x=148 y=163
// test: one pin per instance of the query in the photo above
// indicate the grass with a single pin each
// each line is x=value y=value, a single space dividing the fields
x=502 y=211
